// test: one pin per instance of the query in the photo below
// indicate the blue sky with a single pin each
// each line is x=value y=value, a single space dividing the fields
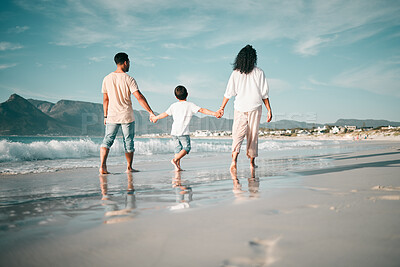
x=324 y=60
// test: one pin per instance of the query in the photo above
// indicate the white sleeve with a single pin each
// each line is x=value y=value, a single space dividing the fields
x=264 y=86
x=104 y=87
x=133 y=87
x=194 y=108
x=230 y=88
x=169 y=111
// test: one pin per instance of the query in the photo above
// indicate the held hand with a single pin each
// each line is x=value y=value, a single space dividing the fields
x=152 y=116
x=269 y=117
x=105 y=121
x=220 y=113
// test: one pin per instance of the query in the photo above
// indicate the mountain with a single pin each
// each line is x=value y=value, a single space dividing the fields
x=19 y=117
x=365 y=123
x=289 y=124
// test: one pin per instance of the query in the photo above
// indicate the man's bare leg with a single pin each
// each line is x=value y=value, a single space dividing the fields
x=129 y=160
x=103 y=160
x=177 y=160
x=234 y=161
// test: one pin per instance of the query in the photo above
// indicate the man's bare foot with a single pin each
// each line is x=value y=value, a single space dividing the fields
x=177 y=168
x=128 y=170
x=103 y=170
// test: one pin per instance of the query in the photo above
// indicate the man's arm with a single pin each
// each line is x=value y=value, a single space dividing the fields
x=159 y=117
x=267 y=105
x=143 y=102
x=105 y=106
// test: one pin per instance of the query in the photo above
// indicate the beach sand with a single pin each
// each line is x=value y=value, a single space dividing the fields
x=344 y=214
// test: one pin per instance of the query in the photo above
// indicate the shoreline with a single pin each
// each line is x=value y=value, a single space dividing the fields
x=342 y=214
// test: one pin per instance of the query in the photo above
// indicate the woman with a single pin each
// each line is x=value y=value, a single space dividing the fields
x=250 y=88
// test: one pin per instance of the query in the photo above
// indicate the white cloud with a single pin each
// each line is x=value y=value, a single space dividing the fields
x=311 y=46
x=309 y=25
x=97 y=59
x=5 y=46
x=380 y=78
x=175 y=46
x=315 y=82
x=18 y=29
x=7 y=66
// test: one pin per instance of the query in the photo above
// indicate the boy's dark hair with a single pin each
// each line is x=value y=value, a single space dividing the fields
x=181 y=92
x=246 y=60
x=120 y=58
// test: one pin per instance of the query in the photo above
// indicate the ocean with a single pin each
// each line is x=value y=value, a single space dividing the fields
x=23 y=155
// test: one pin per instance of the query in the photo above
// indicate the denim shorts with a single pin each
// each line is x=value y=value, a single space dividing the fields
x=182 y=142
x=128 y=132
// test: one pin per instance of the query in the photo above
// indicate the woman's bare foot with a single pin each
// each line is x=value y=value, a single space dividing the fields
x=177 y=167
x=103 y=170
x=130 y=169
x=253 y=163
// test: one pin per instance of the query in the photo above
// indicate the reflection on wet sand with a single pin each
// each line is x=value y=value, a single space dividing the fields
x=181 y=191
x=113 y=213
x=253 y=184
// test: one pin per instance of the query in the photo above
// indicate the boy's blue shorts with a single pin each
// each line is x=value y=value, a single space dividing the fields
x=182 y=142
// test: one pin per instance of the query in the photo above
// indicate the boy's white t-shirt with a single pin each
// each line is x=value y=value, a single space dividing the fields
x=181 y=112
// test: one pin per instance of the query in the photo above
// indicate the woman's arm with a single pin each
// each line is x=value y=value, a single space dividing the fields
x=221 y=109
x=268 y=106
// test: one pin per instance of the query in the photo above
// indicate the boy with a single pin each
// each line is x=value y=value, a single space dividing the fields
x=182 y=112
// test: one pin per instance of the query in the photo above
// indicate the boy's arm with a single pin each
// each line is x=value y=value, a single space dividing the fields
x=159 y=117
x=208 y=112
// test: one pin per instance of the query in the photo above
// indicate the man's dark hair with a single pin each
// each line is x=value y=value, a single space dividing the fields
x=181 y=92
x=120 y=58
x=246 y=60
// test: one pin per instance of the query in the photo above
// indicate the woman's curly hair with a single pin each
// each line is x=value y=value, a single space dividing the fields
x=246 y=60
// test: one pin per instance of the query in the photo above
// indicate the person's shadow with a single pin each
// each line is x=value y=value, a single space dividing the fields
x=253 y=184
x=113 y=213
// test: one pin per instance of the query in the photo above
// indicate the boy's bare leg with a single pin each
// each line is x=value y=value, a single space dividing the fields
x=176 y=161
x=129 y=160
x=103 y=160
x=234 y=161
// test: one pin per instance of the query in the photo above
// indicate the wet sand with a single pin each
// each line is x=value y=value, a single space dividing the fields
x=345 y=214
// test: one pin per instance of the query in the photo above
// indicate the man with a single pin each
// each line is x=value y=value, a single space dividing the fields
x=118 y=112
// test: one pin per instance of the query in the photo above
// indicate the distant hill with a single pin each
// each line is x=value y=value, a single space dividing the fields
x=19 y=116
x=289 y=124
x=365 y=123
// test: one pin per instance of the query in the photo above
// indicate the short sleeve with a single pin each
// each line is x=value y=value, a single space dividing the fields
x=194 y=108
x=104 y=87
x=264 y=86
x=169 y=111
x=230 y=88
x=133 y=87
